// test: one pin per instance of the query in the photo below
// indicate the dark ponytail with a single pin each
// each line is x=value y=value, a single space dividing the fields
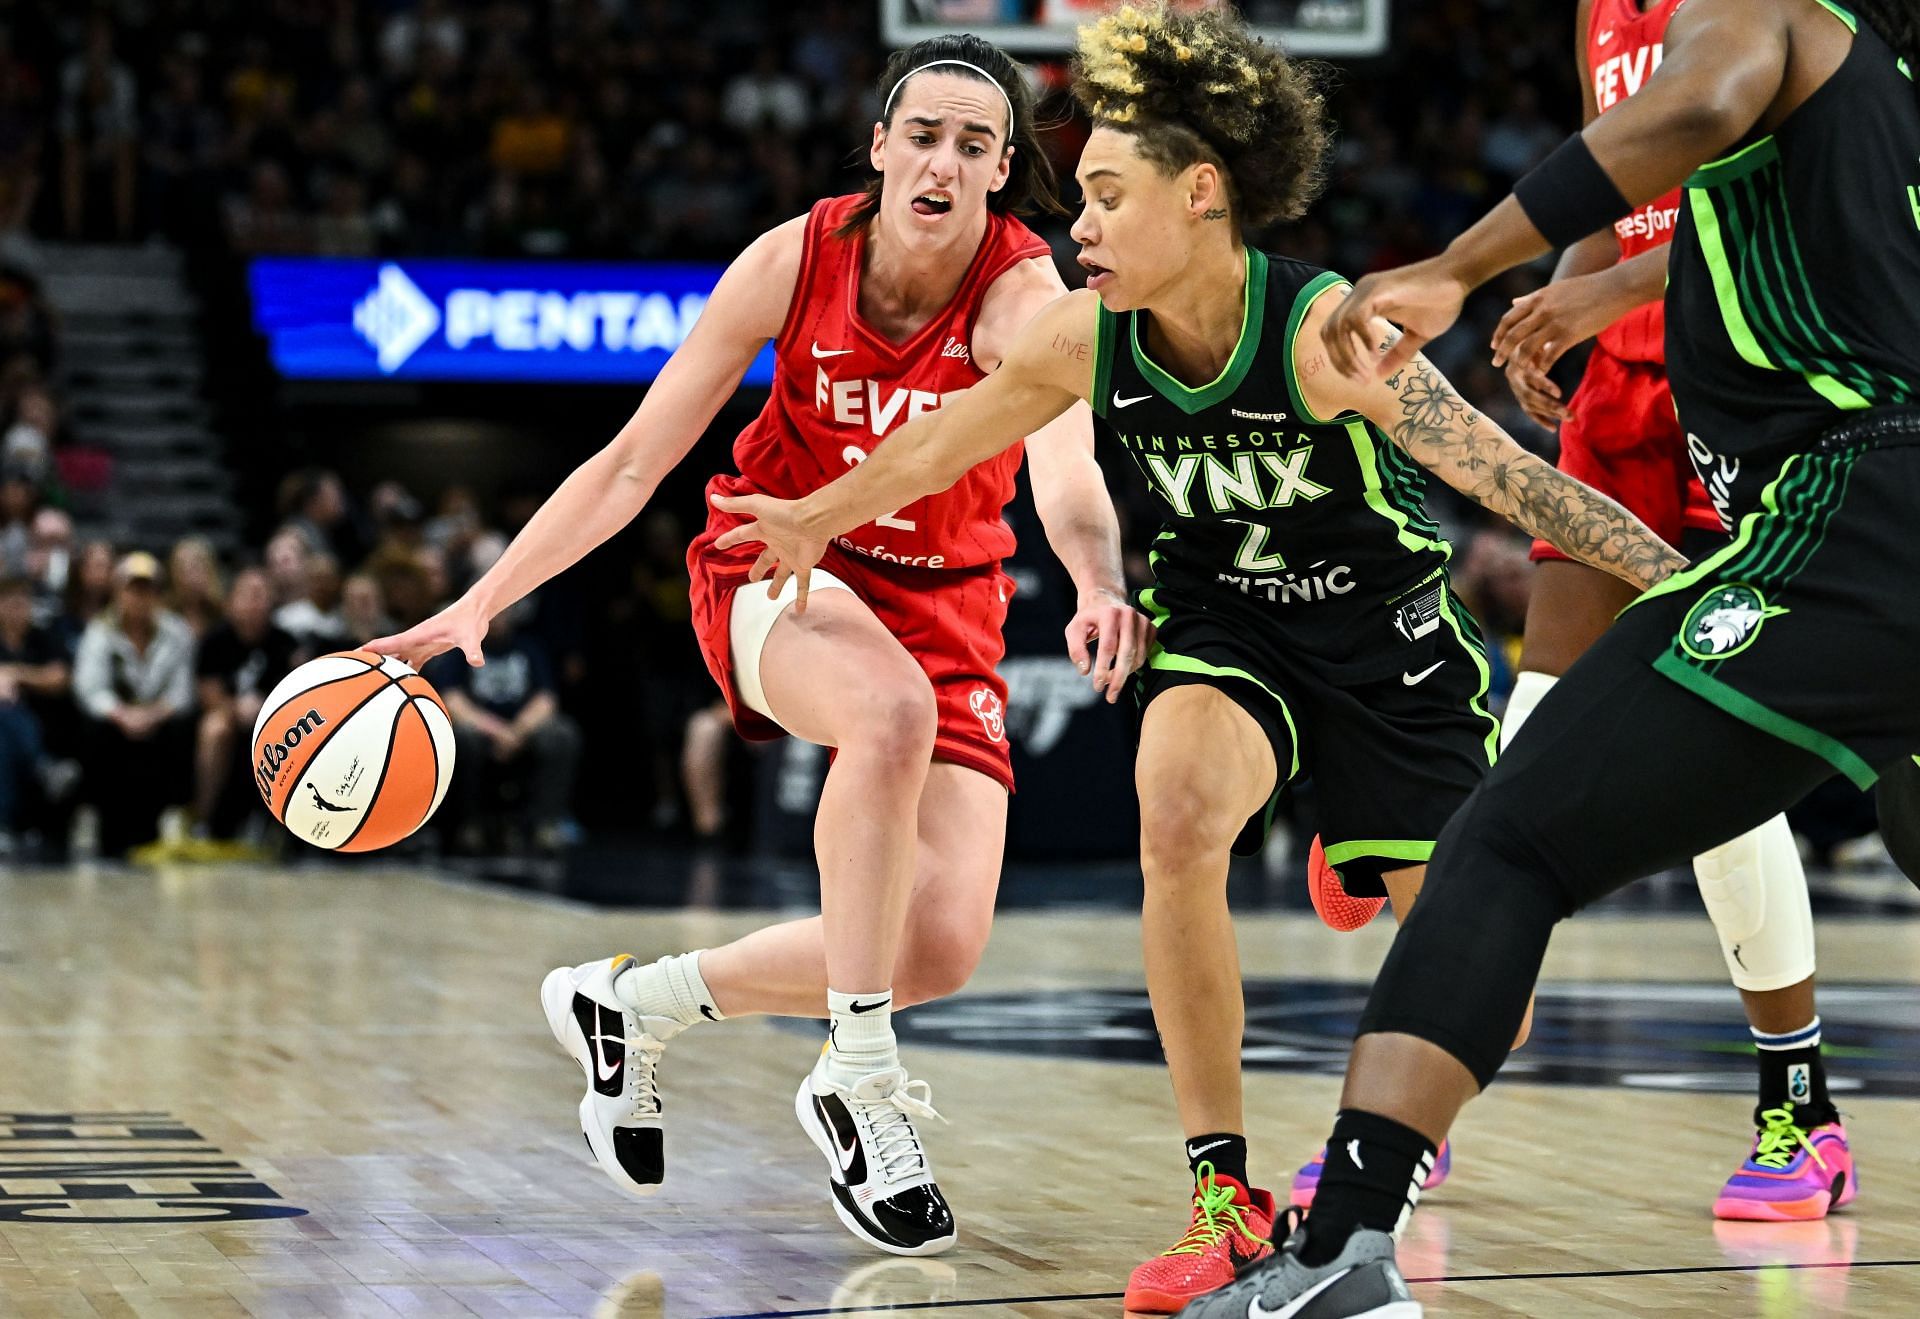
x=1030 y=185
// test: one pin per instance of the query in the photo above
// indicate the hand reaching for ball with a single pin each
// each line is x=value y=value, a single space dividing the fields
x=461 y=626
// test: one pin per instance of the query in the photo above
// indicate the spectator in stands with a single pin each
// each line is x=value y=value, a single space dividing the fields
x=27 y=446
x=239 y=662
x=133 y=679
x=286 y=563
x=49 y=563
x=33 y=675
x=184 y=141
x=766 y=97
x=193 y=584
x=19 y=501
x=507 y=721
x=363 y=612
x=307 y=582
x=99 y=125
x=313 y=501
x=89 y=589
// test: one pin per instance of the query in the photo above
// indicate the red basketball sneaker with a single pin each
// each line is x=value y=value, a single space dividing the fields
x=1330 y=900
x=1230 y=1231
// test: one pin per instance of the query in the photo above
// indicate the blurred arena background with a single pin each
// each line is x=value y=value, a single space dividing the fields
x=339 y=289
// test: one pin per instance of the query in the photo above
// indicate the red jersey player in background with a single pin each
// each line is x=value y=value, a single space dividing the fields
x=879 y=305
x=1620 y=434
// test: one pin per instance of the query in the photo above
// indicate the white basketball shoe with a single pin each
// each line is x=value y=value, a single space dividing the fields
x=619 y=1050
x=883 y=1187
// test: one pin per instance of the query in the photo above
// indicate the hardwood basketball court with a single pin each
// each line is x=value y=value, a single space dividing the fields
x=245 y=1091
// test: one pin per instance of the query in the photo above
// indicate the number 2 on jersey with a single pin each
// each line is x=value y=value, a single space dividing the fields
x=854 y=456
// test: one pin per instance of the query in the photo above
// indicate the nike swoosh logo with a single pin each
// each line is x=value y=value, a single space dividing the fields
x=1415 y=679
x=1297 y=1304
x=1605 y=37
x=707 y=1012
x=818 y=351
x=845 y=1153
x=1353 y=1152
x=868 y=1007
x=1119 y=402
x=1193 y=1153
x=608 y=1070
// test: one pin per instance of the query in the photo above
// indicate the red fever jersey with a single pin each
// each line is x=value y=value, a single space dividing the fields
x=840 y=386
x=1624 y=47
x=930 y=571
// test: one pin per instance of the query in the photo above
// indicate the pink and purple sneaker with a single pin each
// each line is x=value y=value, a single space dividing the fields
x=1307 y=1180
x=1792 y=1175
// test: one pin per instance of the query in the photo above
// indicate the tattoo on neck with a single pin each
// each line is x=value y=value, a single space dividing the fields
x=1217 y=213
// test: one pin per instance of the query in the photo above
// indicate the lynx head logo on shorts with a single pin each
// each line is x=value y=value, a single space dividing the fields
x=991 y=713
x=1725 y=621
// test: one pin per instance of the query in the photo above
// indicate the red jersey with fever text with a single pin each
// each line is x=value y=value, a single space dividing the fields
x=1624 y=47
x=840 y=387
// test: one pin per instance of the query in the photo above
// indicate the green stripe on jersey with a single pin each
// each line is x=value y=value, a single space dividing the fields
x=1103 y=336
x=1253 y=310
x=1376 y=494
x=1736 y=166
x=1306 y=298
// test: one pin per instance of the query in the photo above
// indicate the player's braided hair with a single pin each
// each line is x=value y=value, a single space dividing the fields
x=1897 y=22
x=1030 y=185
x=1196 y=85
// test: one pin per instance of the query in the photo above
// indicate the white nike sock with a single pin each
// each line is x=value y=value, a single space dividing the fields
x=670 y=987
x=859 y=1035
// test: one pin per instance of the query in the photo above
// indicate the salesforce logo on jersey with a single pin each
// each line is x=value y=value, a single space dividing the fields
x=333 y=319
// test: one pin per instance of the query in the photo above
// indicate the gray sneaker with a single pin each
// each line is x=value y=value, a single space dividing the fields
x=1362 y=1282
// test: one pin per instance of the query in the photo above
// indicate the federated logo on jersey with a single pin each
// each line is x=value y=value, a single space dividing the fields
x=1725 y=621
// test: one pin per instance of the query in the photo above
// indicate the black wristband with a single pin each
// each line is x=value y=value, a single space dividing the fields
x=1568 y=196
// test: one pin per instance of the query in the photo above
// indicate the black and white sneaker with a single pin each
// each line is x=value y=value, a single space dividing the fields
x=619 y=1050
x=1361 y=1282
x=882 y=1185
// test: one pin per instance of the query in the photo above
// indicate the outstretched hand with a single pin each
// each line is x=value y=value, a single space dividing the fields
x=460 y=626
x=1121 y=637
x=1424 y=299
x=789 y=548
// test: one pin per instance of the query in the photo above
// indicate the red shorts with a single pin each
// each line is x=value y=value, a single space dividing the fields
x=1624 y=440
x=949 y=619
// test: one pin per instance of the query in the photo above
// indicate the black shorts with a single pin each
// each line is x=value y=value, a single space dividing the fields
x=1807 y=624
x=1394 y=741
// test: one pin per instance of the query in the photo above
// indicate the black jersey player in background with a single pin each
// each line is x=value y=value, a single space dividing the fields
x=1724 y=694
x=1305 y=623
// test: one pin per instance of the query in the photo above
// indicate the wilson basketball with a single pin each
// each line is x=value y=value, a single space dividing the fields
x=353 y=751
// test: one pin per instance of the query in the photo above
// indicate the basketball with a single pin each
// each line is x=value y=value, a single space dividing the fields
x=353 y=751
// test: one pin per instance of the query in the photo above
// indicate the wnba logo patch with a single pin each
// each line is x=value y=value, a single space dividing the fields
x=1725 y=621
x=991 y=713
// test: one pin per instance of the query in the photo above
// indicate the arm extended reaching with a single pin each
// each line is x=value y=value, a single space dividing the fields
x=1724 y=63
x=1438 y=429
x=1046 y=371
x=606 y=491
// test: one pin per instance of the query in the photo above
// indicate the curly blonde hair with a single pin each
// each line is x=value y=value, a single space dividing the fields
x=1196 y=85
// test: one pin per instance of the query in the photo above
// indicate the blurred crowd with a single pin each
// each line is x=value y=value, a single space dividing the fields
x=150 y=672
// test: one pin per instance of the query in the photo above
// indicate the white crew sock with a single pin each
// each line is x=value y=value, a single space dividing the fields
x=859 y=1035
x=670 y=987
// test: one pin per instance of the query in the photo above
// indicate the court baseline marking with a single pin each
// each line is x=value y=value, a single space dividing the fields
x=1470 y=1277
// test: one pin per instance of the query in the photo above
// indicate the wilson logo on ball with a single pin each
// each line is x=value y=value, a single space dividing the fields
x=274 y=754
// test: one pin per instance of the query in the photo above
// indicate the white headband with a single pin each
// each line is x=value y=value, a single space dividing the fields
x=887 y=109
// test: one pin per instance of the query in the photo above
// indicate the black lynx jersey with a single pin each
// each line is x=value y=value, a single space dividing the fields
x=1314 y=524
x=1793 y=299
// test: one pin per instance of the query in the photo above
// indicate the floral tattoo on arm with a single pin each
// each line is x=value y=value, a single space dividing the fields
x=1441 y=432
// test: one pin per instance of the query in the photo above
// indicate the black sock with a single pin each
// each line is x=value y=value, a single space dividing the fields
x=1226 y=1151
x=1797 y=1077
x=1372 y=1176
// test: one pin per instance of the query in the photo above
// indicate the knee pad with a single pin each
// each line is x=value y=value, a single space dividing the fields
x=1756 y=893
